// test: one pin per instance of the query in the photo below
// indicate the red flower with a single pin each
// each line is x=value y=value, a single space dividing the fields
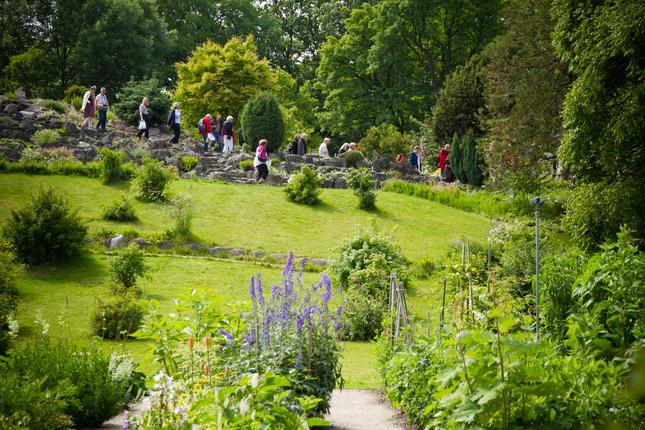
x=206 y=369
x=191 y=343
x=206 y=341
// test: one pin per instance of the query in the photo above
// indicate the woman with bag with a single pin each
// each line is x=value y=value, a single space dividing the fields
x=174 y=122
x=144 y=118
x=88 y=107
x=261 y=162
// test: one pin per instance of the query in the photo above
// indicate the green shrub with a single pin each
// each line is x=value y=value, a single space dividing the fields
x=246 y=165
x=152 y=180
x=54 y=105
x=362 y=316
x=366 y=261
x=29 y=404
x=111 y=165
x=187 y=162
x=304 y=187
x=116 y=319
x=77 y=103
x=131 y=95
x=383 y=140
x=362 y=183
x=10 y=270
x=121 y=210
x=262 y=119
x=471 y=160
x=7 y=121
x=424 y=267
x=128 y=265
x=95 y=387
x=46 y=137
x=353 y=159
x=129 y=171
x=46 y=230
x=74 y=91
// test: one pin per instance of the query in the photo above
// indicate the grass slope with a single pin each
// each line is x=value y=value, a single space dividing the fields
x=64 y=296
x=259 y=217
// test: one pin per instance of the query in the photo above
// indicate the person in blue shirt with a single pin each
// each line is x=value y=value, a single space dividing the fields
x=415 y=158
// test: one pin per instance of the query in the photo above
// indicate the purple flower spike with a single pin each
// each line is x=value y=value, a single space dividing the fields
x=299 y=322
x=326 y=281
x=226 y=334
x=299 y=361
x=275 y=291
x=252 y=288
x=303 y=263
x=260 y=291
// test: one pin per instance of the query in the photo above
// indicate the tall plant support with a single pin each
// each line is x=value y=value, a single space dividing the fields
x=537 y=202
x=443 y=306
x=471 y=304
x=398 y=310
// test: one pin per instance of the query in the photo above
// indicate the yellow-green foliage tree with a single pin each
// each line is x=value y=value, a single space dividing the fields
x=219 y=79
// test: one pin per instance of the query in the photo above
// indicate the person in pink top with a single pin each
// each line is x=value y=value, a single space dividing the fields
x=204 y=128
x=260 y=162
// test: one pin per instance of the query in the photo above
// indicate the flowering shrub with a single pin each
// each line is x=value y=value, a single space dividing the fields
x=275 y=364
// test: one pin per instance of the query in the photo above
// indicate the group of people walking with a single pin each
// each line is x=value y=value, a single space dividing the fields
x=95 y=103
x=217 y=131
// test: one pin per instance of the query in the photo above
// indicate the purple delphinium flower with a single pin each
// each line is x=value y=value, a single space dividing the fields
x=299 y=322
x=275 y=291
x=260 y=292
x=252 y=288
x=287 y=275
x=250 y=338
x=266 y=331
x=326 y=281
x=226 y=334
x=303 y=263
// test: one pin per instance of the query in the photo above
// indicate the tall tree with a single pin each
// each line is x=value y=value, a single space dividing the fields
x=221 y=79
x=525 y=84
x=602 y=42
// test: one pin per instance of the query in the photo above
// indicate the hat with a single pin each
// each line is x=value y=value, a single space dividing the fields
x=229 y=118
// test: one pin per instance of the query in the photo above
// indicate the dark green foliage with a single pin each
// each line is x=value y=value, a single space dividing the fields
x=602 y=42
x=10 y=270
x=459 y=103
x=128 y=266
x=383 y=140
x=471 y=160
x=92 y=387
x=152 y=180
x=131 y=95
x=74 y=92
x=121 y=210
x=595 y=211
x=116 y=319
x=46 y=230
x=353 y=159
x=362 y=316
x=304 y=187
x=63 y=167
x=111 y=165
x=54 y=105
x=362 y=183
x=262 y=119
x=610 y=298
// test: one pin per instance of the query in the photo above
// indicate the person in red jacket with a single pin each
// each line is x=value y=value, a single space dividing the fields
x=204 y=128
x=446 y=173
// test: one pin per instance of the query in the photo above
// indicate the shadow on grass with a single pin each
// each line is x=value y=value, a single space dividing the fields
x=323 y=206
x=85 y=269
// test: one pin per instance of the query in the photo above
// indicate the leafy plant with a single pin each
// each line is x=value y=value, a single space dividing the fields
x=128 y=265
x=111 y=165
x=46 y=137
x=353 y=159
x=120 y=210
x=362 y=315
x=10 y=270
x=54 y=105
x=304 y=187
x=262 y=119
x=182 y=211
x=187 y=162
x=246 y=165
x=46 y=230
x=74 y=91
x=152 y=180
x=362 y=183
x=131 y=95
x=116 y=319
x=383 y=140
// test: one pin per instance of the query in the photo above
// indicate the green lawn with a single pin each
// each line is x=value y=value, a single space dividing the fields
x=64 y=296
x=259 y=217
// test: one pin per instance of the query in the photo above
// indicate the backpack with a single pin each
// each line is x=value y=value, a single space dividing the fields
x=228 y=129
x=201 y=127
x=292 y=148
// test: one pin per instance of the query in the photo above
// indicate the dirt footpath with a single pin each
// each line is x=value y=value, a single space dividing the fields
x=363 y=410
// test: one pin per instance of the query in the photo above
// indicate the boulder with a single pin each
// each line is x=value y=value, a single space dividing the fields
x=117 y=241
x=194 y=246
x=166 y=244
x=280 y=256
x=141 y=242
x=236 y=252
x=318 y=262
x=11 y=108
x=218 y=250
x=257 y=254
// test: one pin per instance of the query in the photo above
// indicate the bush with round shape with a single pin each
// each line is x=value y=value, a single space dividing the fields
x=262 y=119
x=116 y=319
x=46 y=137
x=246 y=165
x=131 y=95
x=46 y=230
x=54 y=105
x=152 y=180
x=362 y=316
x=121 y=210
x=111 y=165
x=77 y=103
x=128 y=266
x=362 y=183
x=304 y=187
x=383 y=140
x=353 y=159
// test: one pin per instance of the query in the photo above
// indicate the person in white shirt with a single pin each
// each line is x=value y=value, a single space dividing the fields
x=102 y=107
x=174 y=122
x=323 y=150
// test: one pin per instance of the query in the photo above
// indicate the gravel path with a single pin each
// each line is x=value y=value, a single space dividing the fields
x=363 y=410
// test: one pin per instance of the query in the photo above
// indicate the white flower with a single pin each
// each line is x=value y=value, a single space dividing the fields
x=14 y=326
